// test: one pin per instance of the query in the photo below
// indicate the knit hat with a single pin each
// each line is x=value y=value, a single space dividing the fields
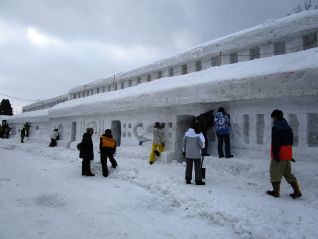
x=278 y=114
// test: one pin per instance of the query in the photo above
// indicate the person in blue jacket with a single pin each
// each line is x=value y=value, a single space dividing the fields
x=222 y=128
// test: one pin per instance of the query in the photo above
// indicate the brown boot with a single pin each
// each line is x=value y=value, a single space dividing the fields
x=276 y=190
x=297 y=192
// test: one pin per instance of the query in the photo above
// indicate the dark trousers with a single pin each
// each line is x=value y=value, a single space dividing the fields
x=197 y=169
x=103 y=161
x=86 y=166
x=53 y=143
x=22 y=138
x=226 y=139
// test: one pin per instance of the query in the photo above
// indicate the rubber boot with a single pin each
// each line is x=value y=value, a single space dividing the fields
x=276 y=190
x=297 y=192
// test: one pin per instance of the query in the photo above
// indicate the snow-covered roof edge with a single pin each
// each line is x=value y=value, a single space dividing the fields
x=32 y=116
x=184 y=89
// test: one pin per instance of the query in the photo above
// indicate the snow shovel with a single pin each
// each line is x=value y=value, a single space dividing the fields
x=202 y=169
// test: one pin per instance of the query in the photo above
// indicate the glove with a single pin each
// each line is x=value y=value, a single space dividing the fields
x=277 y=159
x=183 y=153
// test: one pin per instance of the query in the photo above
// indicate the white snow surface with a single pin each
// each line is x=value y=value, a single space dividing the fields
x=43 y=195
x=196 y=87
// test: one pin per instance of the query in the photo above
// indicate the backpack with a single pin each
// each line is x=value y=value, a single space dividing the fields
x=108 y=142
x=79 y=146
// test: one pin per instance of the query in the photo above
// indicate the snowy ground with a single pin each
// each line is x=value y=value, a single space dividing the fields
x=43 y=195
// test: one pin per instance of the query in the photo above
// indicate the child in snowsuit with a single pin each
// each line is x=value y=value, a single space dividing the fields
x=107 y=148
x=157 y=144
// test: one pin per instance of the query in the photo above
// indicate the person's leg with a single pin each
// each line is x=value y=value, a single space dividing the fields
x=220 y=145
x=112 y=160
x=103 y=161
x=152 y=156
x=188 y=172
x=227 y=146
x=292 y=180
x=276 y=173
x=197 y=169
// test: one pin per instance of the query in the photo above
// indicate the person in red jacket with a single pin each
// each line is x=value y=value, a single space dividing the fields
x=281 y=155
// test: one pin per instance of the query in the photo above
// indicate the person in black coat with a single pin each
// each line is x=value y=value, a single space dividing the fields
x=205 y=121
x=107 y=148
x=22 y=134
x=87 y=152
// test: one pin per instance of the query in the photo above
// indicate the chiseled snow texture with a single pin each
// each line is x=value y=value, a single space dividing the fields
x=43 y=195
x=266 y=32
x=205 y=86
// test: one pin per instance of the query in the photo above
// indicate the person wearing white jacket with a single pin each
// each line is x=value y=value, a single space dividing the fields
x=54 y=136
x=192 y=145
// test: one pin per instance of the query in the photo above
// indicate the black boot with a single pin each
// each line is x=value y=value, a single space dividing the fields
x=200 y=183
x=188 y=181
x=276 y=190
x=297 y=192
x=105 y=172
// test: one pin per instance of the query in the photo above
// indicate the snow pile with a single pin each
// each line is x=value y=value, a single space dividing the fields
x=139 y=200
x=207 y=86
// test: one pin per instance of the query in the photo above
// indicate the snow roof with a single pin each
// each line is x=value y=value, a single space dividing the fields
x=271 y=30
x=32 y=116
x=203 y=86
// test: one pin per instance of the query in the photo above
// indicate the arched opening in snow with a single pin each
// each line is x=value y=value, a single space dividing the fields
x=183 y=124
x=73 y=132
x=246 y=128
x=312 y=128
x=260 y=125
x=61 y=131
x=293 y=122
x=116 y=131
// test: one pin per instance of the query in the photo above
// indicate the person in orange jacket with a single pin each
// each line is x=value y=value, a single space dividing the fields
x=281 y=155
x=107 y=148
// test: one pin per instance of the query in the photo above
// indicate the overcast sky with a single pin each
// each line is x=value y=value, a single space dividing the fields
x=49 y=46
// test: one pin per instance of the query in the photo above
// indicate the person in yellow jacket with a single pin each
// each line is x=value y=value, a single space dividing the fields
x=157 y=144
x=107 y=148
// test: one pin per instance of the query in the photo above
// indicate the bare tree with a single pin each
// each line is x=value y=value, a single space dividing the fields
x=307 y=5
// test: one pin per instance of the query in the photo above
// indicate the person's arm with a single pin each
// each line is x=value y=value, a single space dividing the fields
x=184 y=145
x=201 y=141
x=275 y=144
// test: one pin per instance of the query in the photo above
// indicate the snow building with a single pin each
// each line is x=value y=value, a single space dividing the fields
x=249 y=73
